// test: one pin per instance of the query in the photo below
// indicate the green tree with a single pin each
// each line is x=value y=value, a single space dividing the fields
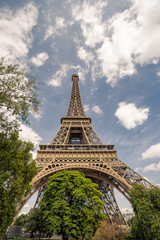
x=146 y=205
x=18 y=95
x=18 y=98
x=16 y=172
x=21 y=220
x=34 y=222
x=71 y=206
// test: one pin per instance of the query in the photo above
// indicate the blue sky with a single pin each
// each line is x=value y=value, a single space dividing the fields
x=114 y=47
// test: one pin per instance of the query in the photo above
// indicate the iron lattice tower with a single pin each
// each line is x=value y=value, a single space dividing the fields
x=76 y=146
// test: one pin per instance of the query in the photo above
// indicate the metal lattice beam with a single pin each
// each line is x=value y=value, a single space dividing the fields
x=76 y=146
x=75 y=108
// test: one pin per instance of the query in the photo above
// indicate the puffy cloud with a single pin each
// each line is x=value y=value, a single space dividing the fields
x=60 y=22
x=56 y=80
x=90 y=17
x=152 y=152
x=59 y=27
x=134 y=39
x=37 y=115
x=84 y=55
x=40 y=59
x=97 y=109
x=15 y=31
x=86 y=108
x=130 y=116
x=28 y=134
x=158 y=73
x=127 y=38
x=152 y=167
x=136 y=36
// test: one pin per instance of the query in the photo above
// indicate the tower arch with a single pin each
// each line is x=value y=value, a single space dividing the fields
x=76 y=146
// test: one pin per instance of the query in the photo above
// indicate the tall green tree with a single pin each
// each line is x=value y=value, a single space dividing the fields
x=71 y=206
x=16 y=172
x=18 y=98
x=21 y=220
x=146 y=205
x=34 y=222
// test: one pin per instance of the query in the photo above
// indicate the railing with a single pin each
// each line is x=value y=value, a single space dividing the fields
x=49 y=147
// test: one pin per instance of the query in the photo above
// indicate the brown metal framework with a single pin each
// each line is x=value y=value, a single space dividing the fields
x=76 y=146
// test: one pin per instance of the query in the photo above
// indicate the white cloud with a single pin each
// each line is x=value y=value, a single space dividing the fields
x=37 y=115
x=60 y=22
x=58 y=28
x=152 y=152
x=40 y=59
x=130 y=116
x=86 y=108
x=90 y=17
x=158 y=73
x=135 y=39
x=28 y=134
x=97 y=109
x=84 y=54
x=15 y=31
x=49 y=32
x=82 y=73
x=152 y=167
x=128 y=38
x=56 y=80
x=87 y=57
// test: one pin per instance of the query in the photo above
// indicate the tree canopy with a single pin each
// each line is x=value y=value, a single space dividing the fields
x=16 y=172
x=34 y=221
x=108 y=231
x=31 y=222
x=146 y=205
x=71 y=206
x=21 y=220
x=18 y=98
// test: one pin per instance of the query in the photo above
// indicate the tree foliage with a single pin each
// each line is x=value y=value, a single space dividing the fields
x=18 y=95
x=17 y=99
x=21 y=220
x=146 y=205
x=34 y=221
x=71 y=206
x=16 y=171
x=108 y=231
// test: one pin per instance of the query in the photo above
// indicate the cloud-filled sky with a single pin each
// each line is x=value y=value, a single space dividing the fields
x=114 y=47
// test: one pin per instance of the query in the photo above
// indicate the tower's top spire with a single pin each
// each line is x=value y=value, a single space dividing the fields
x=75 y=108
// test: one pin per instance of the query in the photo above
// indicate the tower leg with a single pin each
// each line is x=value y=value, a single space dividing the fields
x=110 y=204
x=39 y=196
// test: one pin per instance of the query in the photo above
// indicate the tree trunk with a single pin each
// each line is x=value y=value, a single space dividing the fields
x=64 y=237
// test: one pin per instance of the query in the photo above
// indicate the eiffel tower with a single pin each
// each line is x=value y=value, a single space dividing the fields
x=76 y=146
